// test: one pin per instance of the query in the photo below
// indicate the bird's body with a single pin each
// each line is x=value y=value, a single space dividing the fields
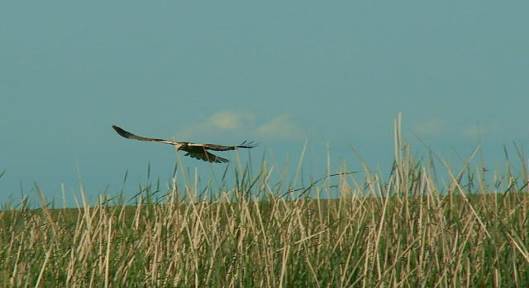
x=195 y=150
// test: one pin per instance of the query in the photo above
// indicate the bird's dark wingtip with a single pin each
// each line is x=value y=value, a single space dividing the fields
x=247 y=144
x=121 y=131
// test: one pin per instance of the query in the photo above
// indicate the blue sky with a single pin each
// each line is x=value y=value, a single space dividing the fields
x=281 y=72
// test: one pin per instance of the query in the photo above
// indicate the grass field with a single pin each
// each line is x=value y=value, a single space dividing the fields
x=407 y=229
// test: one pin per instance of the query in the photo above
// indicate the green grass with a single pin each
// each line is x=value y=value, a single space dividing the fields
x=402 y=230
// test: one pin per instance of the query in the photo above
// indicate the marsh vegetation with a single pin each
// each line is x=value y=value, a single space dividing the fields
x=403 y=229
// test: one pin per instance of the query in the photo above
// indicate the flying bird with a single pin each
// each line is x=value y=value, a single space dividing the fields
x=195 y=150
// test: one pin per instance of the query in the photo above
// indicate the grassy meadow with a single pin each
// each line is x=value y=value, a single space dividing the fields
x=404 y=228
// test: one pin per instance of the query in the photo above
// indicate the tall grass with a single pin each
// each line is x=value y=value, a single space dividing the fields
x=404 y=230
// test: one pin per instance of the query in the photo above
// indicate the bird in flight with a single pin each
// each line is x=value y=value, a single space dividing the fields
x=195 y=150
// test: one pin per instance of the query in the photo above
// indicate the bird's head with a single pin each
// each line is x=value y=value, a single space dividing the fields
x=180 y=146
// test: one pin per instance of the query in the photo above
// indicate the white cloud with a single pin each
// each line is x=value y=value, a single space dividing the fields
x=479 y=130
x=229 y=120
x=219 y=123
x=241 y=124
x=430 y=128
x=282 y=127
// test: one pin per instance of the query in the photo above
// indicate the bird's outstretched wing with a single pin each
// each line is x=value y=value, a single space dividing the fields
x=195 y=150
x=123 y=133
x=216 y=147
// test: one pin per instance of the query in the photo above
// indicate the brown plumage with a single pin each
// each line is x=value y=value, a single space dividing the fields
x=195 y=150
